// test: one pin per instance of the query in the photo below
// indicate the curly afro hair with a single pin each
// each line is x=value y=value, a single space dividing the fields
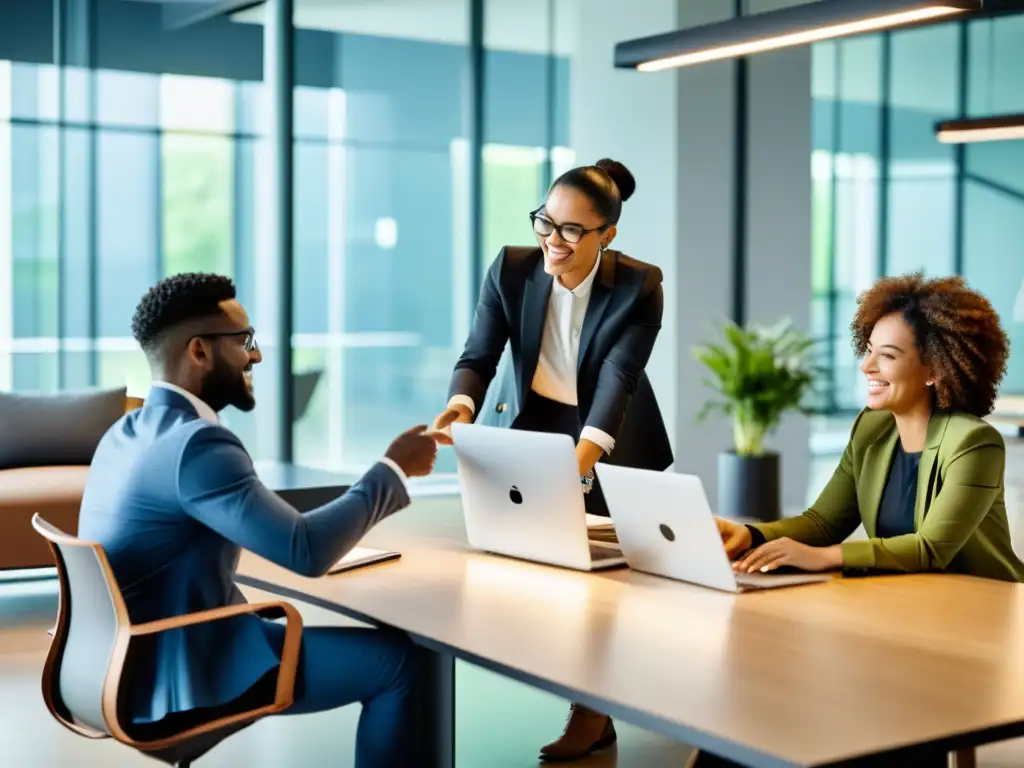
x=176 y=299
x=958 y=335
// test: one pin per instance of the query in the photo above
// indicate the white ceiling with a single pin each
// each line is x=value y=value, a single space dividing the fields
x=514 y=25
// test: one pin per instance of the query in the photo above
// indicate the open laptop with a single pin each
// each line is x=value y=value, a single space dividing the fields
x=521 y=497
x=665 y=527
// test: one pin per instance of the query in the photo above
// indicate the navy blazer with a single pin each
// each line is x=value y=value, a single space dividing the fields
x=620 y=327
x=173 y=498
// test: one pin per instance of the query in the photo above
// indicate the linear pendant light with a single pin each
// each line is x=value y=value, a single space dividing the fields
x=967 y=130
x=796 y=25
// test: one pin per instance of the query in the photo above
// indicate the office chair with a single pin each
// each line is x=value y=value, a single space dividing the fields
x=88 y=668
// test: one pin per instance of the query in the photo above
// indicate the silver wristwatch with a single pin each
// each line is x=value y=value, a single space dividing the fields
x=588 y=482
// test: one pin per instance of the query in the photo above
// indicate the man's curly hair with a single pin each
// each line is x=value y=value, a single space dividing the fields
x=176 y=299
x=957 y=331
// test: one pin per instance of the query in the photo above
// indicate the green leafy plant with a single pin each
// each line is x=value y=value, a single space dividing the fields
x=758 y=374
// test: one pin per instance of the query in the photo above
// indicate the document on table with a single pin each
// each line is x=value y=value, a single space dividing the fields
x=362 y=556
x=601 y=529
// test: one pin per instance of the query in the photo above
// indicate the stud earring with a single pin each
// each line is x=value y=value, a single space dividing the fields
x=930 y=383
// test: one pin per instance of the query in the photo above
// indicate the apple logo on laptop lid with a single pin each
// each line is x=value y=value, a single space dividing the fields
x=515 y=496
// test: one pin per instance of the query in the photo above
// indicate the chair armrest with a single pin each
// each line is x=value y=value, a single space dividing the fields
x=284 y=694
x=273 y=612
x=274 y=608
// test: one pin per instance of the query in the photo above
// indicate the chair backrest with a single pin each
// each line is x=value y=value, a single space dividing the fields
x=91 y=613
x=302 y=391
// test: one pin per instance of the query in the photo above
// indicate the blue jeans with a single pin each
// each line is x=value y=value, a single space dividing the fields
x=342 y=665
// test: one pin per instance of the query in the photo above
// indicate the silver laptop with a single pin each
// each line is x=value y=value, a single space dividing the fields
x=521 y=497
x=665 y=527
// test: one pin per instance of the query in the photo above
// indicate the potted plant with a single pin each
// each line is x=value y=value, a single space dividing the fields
x=758 y=374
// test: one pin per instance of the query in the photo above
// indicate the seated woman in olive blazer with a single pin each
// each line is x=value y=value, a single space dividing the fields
x=922 y=471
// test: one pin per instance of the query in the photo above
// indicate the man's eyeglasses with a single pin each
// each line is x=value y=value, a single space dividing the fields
x=250 y=338
x=571 y=233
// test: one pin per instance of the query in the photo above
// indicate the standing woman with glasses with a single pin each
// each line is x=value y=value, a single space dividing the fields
x=580 y=321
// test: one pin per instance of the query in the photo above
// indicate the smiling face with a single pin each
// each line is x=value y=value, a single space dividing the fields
x=898 y=380
x=571 y=210
x=226 y=362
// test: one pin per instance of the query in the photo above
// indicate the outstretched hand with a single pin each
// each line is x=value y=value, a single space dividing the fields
x=415 y=450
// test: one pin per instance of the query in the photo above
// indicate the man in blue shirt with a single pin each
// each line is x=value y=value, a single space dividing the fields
x=172 y=497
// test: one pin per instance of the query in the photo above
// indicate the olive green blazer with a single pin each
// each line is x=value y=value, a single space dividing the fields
x=960 y=515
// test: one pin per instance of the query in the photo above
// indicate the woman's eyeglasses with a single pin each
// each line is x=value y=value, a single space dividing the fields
x=250 y=338
x=571 y=233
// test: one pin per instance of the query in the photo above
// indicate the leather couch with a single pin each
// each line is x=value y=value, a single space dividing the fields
x=45 y=451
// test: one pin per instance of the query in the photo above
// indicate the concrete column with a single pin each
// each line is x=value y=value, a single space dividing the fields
x=275 y=248
x=779 y=225
x=704 y=251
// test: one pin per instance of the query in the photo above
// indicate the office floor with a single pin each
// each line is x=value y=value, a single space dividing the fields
x=500 y=724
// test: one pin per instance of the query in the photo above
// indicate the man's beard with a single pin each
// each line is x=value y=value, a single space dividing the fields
x=224 y=386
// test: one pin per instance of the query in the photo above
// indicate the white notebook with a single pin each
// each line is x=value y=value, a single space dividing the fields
x=362 y=556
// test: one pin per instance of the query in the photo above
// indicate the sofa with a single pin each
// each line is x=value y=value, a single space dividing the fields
x=46 y=445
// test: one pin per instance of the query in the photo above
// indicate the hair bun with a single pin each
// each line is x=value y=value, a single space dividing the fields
x=620 y=175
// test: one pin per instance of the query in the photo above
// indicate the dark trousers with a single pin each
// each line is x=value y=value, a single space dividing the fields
x=337 y=666
x=539 y=414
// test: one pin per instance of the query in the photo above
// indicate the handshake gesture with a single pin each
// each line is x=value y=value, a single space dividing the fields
x=415 y=450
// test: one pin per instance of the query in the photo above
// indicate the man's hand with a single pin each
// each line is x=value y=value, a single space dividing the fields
x=735 y=537
x=415 y=450
x=781 y=552
x=449 y=416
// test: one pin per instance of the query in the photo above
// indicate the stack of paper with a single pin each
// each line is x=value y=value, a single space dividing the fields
x=601 y=529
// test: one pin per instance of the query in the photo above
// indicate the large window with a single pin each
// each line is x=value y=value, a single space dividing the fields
x=526 y=116
x=923 y=89
x=136 y=161
x=846 y=172
x=380 y=269
x=993 y=258
x=130 y=163
x=890 y=199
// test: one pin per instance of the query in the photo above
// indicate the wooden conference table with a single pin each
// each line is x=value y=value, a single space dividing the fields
x=858 y=671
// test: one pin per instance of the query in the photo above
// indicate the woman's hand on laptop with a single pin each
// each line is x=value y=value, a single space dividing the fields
x=735 y=536
x=786 y=552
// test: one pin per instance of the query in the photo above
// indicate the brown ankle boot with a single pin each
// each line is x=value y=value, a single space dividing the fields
x=586 y=731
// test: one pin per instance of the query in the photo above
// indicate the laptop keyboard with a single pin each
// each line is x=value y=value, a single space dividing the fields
x=597 y=552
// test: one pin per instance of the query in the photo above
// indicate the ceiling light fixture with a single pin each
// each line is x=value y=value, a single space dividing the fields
x=796 y=25
x=968 y=130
